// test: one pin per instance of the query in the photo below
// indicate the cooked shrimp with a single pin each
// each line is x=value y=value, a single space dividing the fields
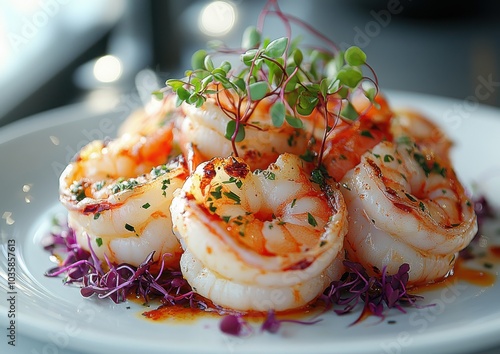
x=125 y=157
x=152 y=120
x=271 y=239
x=204 y=129
x=425 y=133
x=347 y=142
x=123 y=209
x=406 y=207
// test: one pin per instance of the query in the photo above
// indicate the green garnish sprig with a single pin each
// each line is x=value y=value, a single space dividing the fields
x=295 y=81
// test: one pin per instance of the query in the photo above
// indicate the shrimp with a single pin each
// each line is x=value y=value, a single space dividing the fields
x=118 y=203
x=425 y=133
x=406 y=206
x=271 y=239
x=347 y=142
x=152 y=120
x=204 y=129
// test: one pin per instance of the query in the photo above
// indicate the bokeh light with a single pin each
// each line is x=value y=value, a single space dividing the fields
x=217 y=18
x=108 y=69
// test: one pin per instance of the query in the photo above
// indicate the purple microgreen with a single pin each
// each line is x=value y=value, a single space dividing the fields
x=234 y=325
x=483 y=212
x=84 y=269
x=376 y=292
x=272 y=324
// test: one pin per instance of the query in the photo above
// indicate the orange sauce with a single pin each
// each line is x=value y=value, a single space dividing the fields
x=177 y=314
x=461 y=272
x=473 y=276
x=183 y=314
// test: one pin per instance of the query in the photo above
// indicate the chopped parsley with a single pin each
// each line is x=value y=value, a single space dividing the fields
x=233 y=196
x=123 y=185
x=311 y=220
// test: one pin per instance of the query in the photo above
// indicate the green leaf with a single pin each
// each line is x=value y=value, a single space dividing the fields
x=355 y=56
x=205 y=82
x=306 y=103
x=258 y=90
x=278 y=113
x=175 y=84
x=334 y=86
x=276 y=48
x=251 y=38
x=249 y=56
x=349 y=112
x=196 y=82
x=323 y=87
x=349 y=76
x=370 y=94
x=297 y=56
x=226 y=66
x=158 y=95
x=231 y=127
x=183 y=94
x=198 y=59
x=275 y=74
x=294 y=121
x=208 y=63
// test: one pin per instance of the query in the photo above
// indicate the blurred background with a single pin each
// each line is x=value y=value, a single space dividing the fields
x=58 y=52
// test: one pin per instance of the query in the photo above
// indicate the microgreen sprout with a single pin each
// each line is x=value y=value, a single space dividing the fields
x=83 y=268
x=296 y=82
x=375 y=292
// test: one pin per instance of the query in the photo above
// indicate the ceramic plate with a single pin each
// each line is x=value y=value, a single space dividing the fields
x=33 y=153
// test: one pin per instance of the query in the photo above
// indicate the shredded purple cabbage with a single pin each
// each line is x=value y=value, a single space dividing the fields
x=236 y=325
x=84 y=269
x=484 y=211
x=376 y=292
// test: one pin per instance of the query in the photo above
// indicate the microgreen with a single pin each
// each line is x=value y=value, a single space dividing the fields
x=84 y=269
x=376 y=292
x=295 y=80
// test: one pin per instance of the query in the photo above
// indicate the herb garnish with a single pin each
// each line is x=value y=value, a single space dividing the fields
x=295 y=81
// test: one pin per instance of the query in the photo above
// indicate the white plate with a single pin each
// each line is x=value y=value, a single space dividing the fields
x=465 y=318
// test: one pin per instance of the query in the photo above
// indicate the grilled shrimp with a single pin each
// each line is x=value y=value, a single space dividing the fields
x=204 y=129
x=152 y=120
x=271 y=239
x=118 y=196
x=425 y=133
x=406 y=206
x=348 y=141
